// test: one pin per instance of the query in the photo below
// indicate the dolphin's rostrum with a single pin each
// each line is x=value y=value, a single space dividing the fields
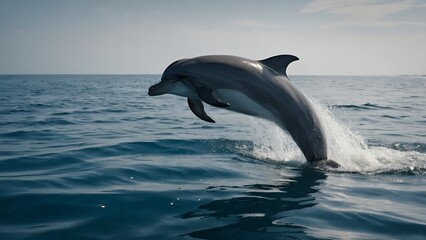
x=256 y=88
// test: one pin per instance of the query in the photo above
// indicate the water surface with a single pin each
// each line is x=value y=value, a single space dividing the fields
x=93 y=157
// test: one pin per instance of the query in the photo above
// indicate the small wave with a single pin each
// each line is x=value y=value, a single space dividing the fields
x=60 y=113
x=39 y=164
x=407 y=147
x=40 y=105
x=29 y=134
x=138 y=118
x=389 y=116
x=54 y=121
x=411 y=170
x=28 y=123
x=112 y=110
x=12 y=111
x=89 y=111
x=366 y=106
x=162 y=147
x=106 y=121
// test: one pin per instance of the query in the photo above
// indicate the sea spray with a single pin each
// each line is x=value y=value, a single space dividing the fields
x=272 y=143
x=351 y=151
x=345 y=146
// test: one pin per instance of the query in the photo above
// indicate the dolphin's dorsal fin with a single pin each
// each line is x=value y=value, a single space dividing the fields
x=205 y=94
x=279 y=63
x=197 y=108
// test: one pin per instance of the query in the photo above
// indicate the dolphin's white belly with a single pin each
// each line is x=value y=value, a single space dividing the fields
x=241 y=103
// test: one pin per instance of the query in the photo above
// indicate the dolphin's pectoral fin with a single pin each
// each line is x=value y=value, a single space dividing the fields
x=197 y=108
x=279 y=63
x=206 y=95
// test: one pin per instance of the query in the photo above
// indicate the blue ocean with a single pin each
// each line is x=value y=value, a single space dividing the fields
x=94 y=157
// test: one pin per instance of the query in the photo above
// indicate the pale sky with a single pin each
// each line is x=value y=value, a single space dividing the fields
x=331 y=37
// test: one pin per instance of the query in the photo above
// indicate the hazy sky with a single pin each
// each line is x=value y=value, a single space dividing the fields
x=336 y=37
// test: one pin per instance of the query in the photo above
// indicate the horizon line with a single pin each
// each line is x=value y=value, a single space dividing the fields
x=112 y=74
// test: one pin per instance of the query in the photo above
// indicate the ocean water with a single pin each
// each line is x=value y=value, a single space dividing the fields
x=94 y=157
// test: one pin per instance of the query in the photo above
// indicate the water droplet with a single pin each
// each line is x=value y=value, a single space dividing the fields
x=171 y=203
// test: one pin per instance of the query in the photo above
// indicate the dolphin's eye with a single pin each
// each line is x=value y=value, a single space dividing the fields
x=181 y=76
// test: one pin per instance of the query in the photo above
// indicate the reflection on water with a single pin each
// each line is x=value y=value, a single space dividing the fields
x=261 y=213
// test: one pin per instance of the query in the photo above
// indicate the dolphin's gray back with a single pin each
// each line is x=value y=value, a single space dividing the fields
x=290 y=108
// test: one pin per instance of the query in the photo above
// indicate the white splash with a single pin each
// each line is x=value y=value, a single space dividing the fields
x=272 y=143
x=344 y=146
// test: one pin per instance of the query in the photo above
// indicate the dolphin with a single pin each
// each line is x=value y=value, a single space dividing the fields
x=256 y=88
